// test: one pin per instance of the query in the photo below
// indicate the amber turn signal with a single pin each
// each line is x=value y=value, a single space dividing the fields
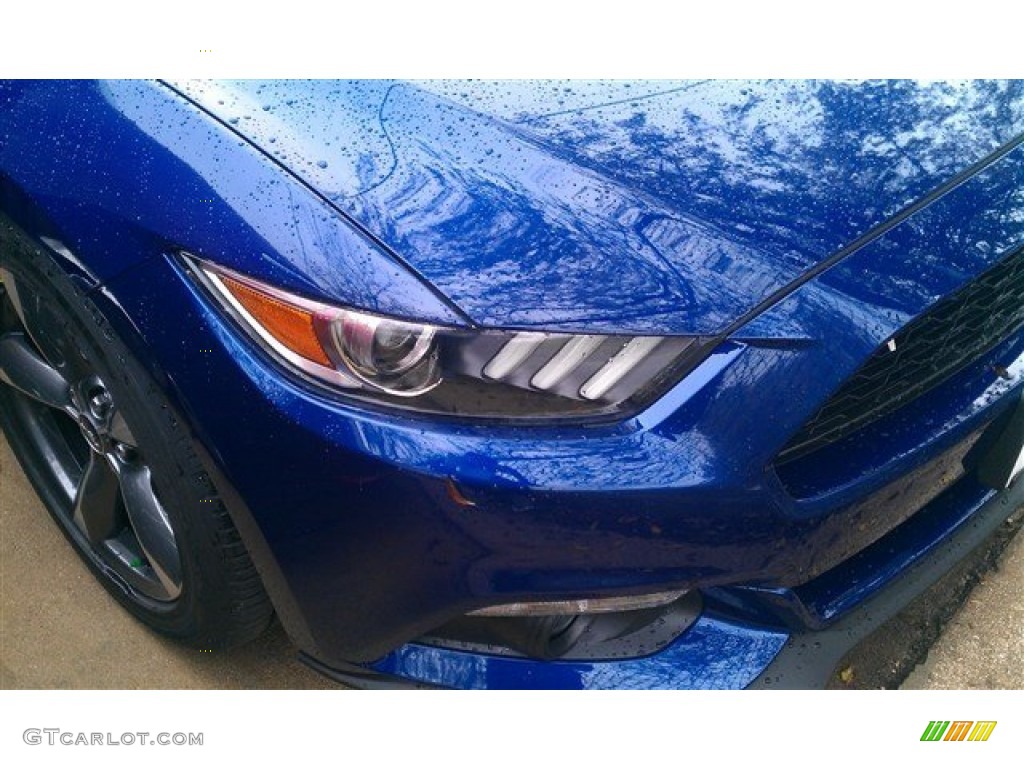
x=290 y=325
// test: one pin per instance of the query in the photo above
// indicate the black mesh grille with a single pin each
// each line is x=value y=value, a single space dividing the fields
x=955 y=332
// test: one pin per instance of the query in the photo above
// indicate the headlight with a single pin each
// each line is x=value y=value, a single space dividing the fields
x=390 y=355
x=459 y=371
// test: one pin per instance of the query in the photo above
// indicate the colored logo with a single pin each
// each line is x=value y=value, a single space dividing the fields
x=958 y=730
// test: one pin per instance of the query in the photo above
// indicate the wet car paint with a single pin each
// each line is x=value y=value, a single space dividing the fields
x=333 y=495
x=687 y=202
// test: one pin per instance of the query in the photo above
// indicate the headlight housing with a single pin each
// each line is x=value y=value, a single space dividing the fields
x=519 y=375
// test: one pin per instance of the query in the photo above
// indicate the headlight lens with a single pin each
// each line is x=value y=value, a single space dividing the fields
x=390 y=355
x=434 y=369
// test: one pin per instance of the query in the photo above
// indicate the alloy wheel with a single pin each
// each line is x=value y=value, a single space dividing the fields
x=85 y=448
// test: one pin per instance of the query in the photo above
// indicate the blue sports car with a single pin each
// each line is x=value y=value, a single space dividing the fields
x=518 y=384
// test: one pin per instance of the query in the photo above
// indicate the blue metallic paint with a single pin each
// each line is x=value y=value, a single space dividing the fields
x=713 y=654
x=134 y=165
x=686 y=207
x=671 y=213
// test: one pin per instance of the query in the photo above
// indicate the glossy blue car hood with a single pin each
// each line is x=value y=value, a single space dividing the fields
x=649 y=207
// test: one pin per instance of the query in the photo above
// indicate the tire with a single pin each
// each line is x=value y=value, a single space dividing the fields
x=115 y=465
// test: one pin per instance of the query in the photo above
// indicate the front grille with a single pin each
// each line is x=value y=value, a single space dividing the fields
x=955 y=332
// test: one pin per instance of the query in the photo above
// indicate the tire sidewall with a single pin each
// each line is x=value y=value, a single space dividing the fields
x=196 y=514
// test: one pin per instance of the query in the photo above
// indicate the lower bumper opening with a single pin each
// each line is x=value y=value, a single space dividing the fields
x=580 y=636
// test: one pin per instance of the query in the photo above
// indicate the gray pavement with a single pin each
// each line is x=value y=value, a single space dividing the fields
x=982 y=647
x=60 y=629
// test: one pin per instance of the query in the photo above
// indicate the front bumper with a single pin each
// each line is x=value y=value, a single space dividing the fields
x=809 y=658
x=363 y=547
x=720 y=651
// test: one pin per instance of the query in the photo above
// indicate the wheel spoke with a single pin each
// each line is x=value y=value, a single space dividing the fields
x=110 y=506
x=95 y=510
x=151 y=526
x=26 y=371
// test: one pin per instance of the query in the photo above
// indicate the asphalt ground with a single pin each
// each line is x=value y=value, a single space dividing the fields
x=60 y=630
